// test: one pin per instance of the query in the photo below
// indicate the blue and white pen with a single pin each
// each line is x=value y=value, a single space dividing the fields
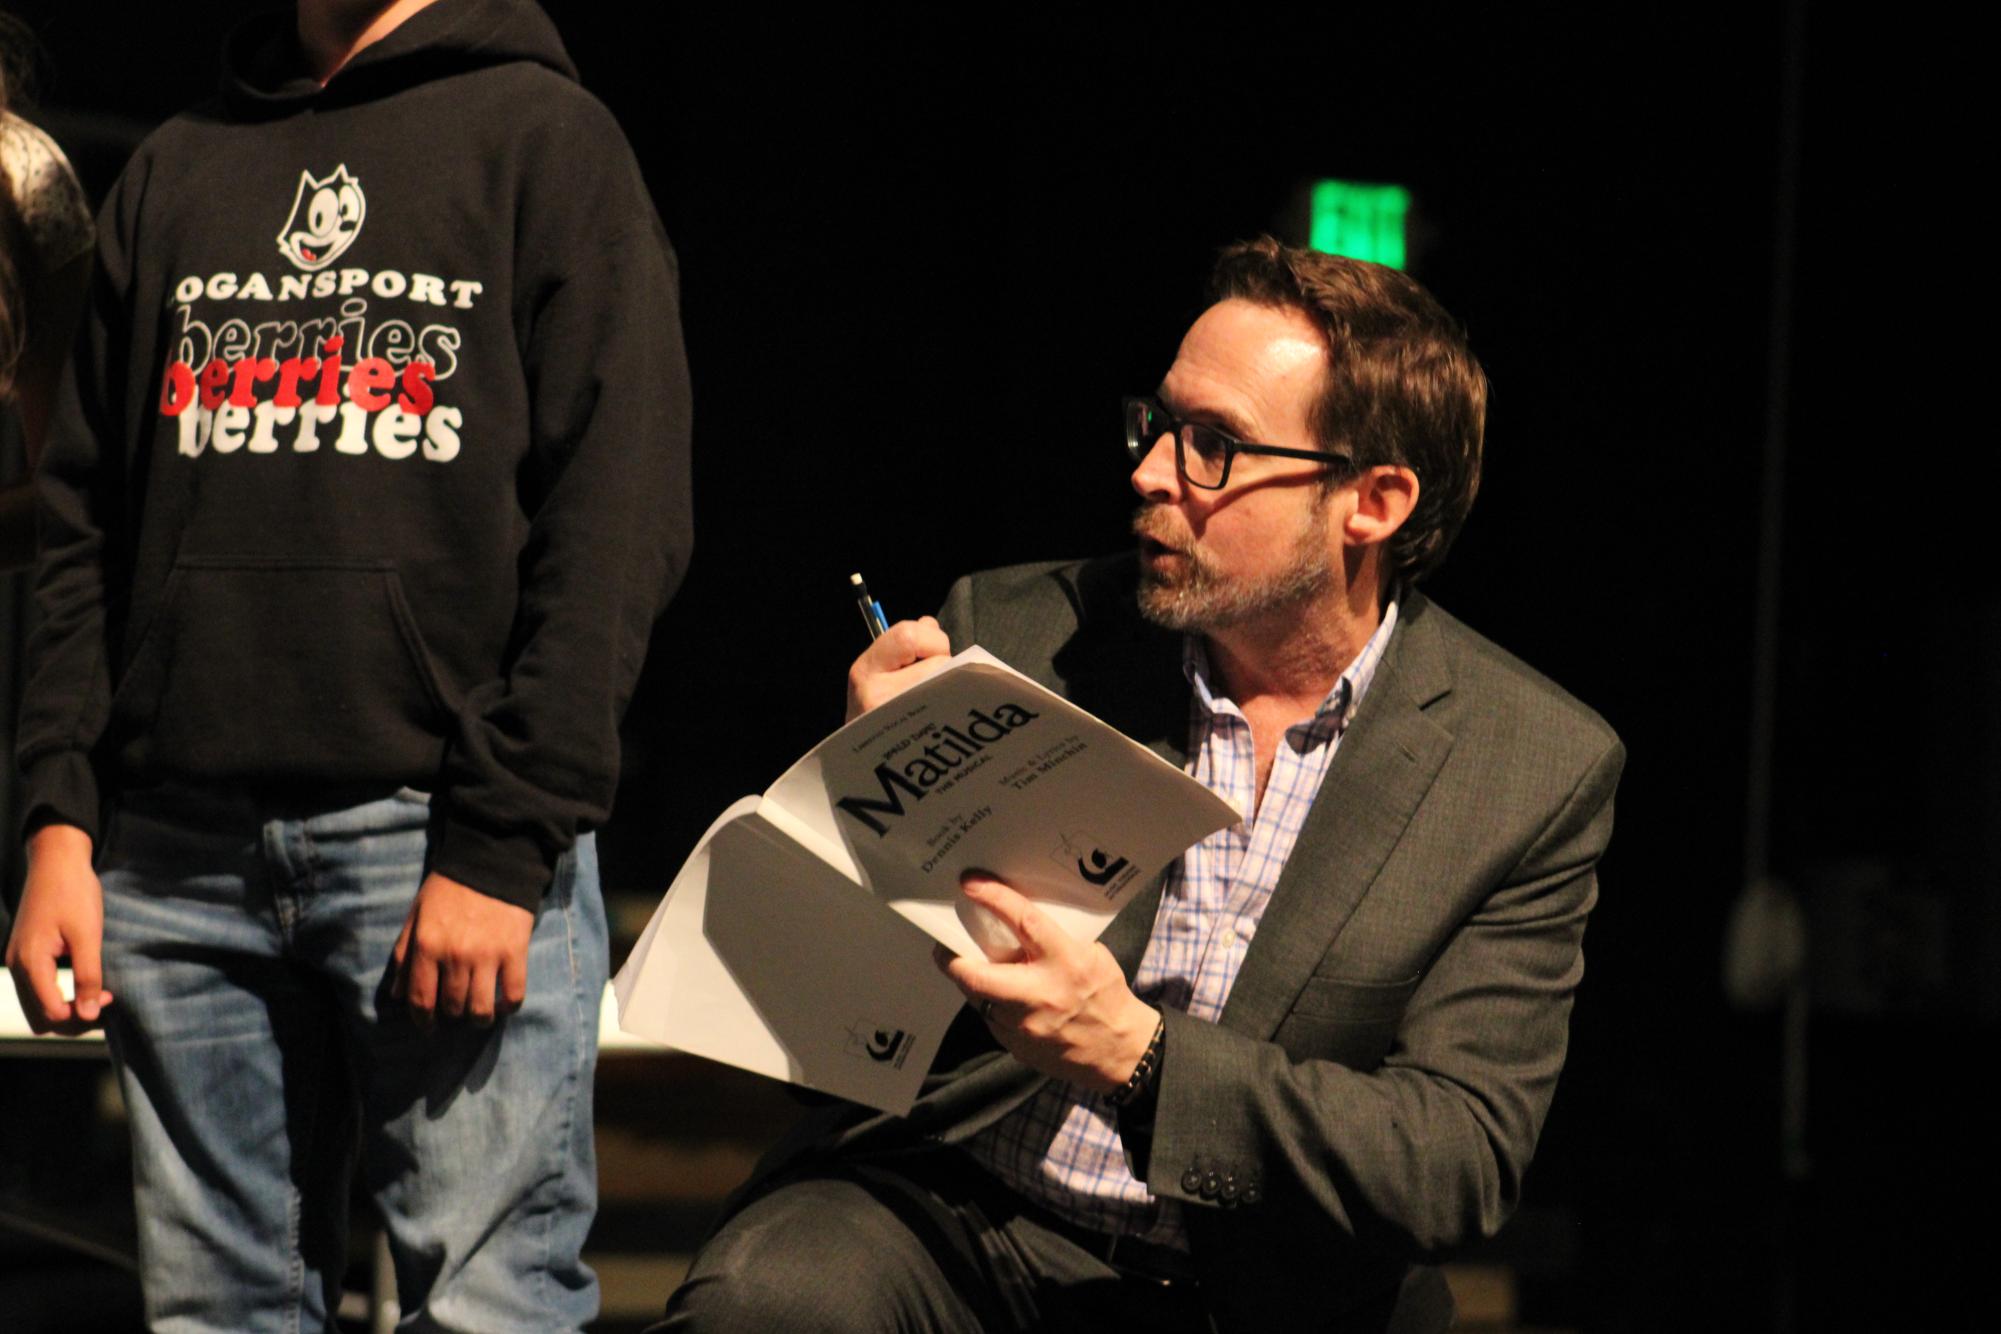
x=872 y=615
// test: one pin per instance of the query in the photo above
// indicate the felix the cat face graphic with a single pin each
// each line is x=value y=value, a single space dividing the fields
x=326 y=217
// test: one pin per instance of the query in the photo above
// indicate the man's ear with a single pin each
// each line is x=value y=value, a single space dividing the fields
x=1384 y=497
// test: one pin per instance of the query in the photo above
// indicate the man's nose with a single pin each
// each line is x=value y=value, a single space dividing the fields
x=1157 y=476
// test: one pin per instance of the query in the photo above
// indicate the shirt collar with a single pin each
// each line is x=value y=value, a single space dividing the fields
x=1340 y=702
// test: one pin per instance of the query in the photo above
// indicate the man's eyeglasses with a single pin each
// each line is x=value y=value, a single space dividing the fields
x=1202 y=453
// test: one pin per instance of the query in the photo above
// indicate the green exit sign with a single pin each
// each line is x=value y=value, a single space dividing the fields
x=1360 y=221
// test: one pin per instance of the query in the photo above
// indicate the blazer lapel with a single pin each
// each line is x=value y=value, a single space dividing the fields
x=1137 y=686
x=1388 y=758
x=1131 y=677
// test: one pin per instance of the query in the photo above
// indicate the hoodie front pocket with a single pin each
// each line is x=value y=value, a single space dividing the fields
x=309 y=671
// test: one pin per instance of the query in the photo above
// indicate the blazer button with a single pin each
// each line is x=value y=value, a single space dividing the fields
x=1211 y=1184
x=1191 y=1181
x=1230 y=1187
x=1252 y=1194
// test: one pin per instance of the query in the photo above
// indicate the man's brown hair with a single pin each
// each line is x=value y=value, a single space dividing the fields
x=1401 y=385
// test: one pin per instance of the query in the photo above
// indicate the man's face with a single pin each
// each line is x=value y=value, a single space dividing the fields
x=1265 y=544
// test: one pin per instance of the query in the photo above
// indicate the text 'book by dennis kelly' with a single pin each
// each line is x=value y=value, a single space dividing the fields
x=796 y=940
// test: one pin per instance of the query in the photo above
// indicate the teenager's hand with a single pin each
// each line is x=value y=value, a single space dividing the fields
x=1062 y=1006
x=906 y=653
x=462 y=953
x=62 y=914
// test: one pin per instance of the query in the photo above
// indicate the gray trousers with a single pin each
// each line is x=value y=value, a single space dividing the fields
x=921 y=1243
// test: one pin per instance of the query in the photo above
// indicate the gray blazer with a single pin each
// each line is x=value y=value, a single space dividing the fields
x=1372 y=1094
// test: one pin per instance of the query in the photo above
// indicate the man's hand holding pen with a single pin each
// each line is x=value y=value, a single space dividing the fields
x=903 y=655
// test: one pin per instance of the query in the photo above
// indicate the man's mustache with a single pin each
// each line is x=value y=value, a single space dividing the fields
x=1157 y=524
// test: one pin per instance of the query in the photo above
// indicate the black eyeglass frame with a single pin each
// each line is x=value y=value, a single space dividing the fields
x=1137 y=449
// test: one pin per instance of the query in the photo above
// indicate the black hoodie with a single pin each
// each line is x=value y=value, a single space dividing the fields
x=374 y=470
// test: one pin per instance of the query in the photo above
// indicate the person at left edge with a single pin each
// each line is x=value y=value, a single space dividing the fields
x=45 y=241
x=369 y=484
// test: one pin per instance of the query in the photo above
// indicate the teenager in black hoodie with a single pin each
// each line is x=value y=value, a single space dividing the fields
x=371 y=483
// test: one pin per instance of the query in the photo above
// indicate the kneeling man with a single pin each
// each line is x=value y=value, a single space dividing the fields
x=1318 y=1054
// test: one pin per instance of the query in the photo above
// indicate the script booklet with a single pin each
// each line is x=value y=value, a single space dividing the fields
x=796 y=940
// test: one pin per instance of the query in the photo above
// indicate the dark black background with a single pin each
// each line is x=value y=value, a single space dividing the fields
x=922 y=258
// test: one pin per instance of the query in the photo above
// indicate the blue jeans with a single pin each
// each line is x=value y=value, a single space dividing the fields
x=261 y=1055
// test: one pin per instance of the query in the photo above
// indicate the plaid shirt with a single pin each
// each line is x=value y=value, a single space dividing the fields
x=1061 y=1148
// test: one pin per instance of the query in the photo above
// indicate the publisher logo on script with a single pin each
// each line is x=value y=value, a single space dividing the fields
x=884 y=1046
x=1084 y=854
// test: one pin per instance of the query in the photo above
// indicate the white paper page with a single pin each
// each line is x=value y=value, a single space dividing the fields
x=979 y=767
x=763 y=957
x=695 y=869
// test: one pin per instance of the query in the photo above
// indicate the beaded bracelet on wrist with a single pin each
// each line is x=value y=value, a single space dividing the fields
x=1141 y=1078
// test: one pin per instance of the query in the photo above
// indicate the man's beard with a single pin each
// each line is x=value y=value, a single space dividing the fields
x=1197 y=597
